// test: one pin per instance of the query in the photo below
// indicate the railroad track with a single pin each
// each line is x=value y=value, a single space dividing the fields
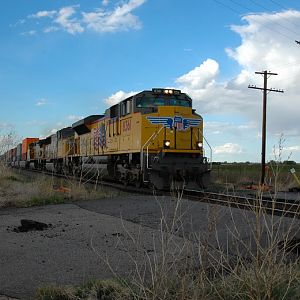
x=287 y=208
x=91 y=181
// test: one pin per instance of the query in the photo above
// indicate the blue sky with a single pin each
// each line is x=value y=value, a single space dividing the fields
x=62 y=60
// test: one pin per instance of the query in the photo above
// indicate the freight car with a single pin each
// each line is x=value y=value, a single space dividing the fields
x=152 y=138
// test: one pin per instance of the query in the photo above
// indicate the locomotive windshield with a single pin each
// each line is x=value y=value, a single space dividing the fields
x=143 y=102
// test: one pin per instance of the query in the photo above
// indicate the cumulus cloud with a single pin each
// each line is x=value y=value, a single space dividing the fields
x=201 y=76
x=117 y=97
x=119 y=19
x=101 y=20
x=228 y=148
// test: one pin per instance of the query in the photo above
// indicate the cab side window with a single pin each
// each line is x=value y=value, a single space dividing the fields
x=126 y=107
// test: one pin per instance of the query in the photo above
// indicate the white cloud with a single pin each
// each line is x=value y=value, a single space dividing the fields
x=41 y=102
x=71 y=25
x=200 y=77
x=236 y=130
x=228 y=148
x=53 y=130
x=43 y=14
x=105 y=2
x=29 y=33
x=51 y=29
x=74 y=118
x=101 y=20
x=119 y=19
x=117 y=97
x=19 y=22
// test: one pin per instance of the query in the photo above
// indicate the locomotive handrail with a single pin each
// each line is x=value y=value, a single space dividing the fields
x=210 y=150
x=152 y=137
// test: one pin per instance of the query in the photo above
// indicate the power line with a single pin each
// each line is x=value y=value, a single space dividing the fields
x=223 y=4
x=267 y=9
x=265 y=89
x=278 y=4
x=262 y=24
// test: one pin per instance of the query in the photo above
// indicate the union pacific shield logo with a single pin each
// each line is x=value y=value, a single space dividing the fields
x=179 y=122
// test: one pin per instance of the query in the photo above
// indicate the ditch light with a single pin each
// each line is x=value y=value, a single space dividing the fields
x=167 y=143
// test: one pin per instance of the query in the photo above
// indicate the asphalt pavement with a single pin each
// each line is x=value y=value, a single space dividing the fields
x=95 y=239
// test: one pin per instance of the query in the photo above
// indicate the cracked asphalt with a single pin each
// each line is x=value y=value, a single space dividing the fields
x=86 y=238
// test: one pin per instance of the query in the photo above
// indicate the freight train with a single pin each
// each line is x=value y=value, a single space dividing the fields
x=154 y=138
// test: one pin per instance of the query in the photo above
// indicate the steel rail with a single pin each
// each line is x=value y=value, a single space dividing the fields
x=288 y=208
x=90 y=181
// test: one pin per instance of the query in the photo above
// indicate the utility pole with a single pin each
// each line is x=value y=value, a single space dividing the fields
x=265 y=89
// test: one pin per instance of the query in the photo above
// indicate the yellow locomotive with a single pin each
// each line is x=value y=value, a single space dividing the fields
x=154 y=137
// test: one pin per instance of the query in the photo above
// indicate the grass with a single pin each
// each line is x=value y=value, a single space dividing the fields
x=19 y=190
x=242 y=174
x=94 y=289
x=263 y=266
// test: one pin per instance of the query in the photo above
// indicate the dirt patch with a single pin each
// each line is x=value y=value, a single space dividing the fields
x=31 y=225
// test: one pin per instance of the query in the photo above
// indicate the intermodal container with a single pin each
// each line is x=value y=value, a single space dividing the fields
x=25 y=143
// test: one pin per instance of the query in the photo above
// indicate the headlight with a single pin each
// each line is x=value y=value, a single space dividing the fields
x=167 y=143
x=199 y=145
x=168 y=92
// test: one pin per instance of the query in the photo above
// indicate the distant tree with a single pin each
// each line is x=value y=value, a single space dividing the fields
x=8 y=139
